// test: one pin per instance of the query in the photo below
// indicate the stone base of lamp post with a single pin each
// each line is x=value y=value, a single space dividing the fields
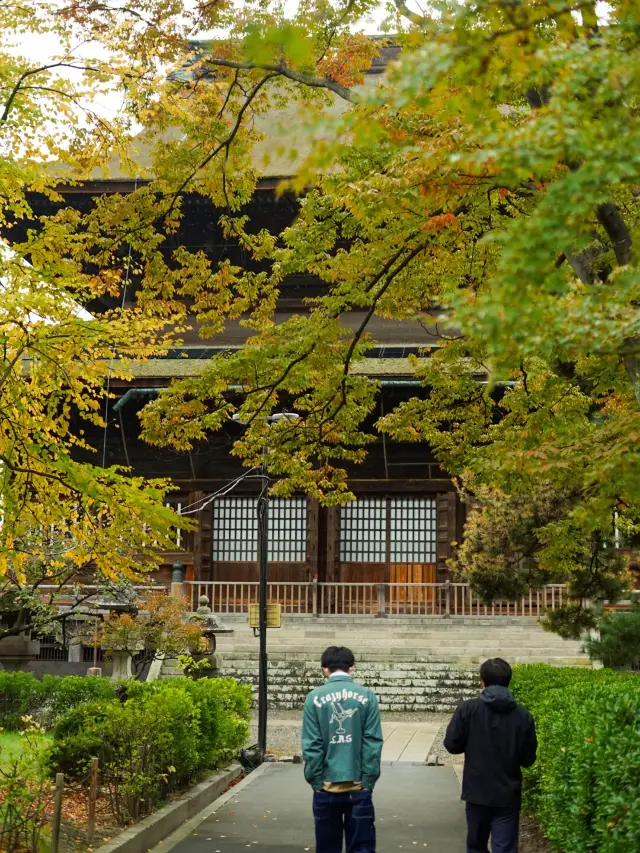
x=121 y=665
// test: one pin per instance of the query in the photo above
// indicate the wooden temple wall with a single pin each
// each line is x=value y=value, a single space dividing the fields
x=400 y=529
x=364 y=542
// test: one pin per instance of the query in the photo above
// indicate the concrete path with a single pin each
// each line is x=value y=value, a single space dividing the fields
x=417 y=808
x=408 y=741
x=403 y=741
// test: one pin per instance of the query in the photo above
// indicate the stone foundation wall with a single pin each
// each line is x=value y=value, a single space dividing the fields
x=399 y=686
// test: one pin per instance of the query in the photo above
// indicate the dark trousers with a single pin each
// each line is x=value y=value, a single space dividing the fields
x=503 y=825
x=348 y=816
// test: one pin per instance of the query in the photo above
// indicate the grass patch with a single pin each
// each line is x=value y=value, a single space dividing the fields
x=10 y=747
x=11 y=744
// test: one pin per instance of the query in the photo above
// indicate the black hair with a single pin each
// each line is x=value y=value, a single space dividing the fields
x=496 y=671
x=337 y=657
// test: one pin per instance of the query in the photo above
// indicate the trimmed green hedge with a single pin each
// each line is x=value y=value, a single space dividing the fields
x=584 y=790
x=21 y=694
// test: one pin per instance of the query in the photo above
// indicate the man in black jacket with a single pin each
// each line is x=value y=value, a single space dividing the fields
x=498 y=738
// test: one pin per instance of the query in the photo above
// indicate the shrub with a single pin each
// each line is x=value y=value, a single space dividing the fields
x=21 y=694
x=618 y=645
x=62 y=693
x=161 y=738
x=152 y=750
x=585 y=787
x=25 y=796
x=80 y=735
x=225 y=707
x=147 y=747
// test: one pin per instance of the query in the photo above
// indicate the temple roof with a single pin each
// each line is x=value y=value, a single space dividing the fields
x=289 y=130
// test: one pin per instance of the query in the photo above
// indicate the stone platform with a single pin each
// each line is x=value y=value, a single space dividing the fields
x=413 y=663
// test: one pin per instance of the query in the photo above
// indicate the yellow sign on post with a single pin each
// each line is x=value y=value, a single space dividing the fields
x=274 y=616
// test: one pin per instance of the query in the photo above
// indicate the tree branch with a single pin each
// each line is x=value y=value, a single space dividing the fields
x=406 y=12
x=610 y=218
x=282 y=70
x=29 y=73
x=224 y=144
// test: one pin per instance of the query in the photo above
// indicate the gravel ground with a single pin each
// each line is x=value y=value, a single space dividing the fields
x=285 y=740
x=387 y=716
x=438 y=751
x=281 y=742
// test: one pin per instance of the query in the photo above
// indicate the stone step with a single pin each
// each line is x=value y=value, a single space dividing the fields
x=409 y=624
x=233 y=620
x=392 y=643
x=388 y=684
x=440 y=695
x=303 y=665
x=362 y=652
x=470 y=659
x=388 y=625
x=382 y=630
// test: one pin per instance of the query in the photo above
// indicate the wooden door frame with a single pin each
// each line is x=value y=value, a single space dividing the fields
x=206 y=569
x=449 y=523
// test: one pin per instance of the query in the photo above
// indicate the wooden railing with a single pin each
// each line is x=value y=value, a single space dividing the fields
x=345 y=599
x=372 y=599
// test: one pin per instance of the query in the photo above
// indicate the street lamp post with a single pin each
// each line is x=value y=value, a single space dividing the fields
x=263 y=570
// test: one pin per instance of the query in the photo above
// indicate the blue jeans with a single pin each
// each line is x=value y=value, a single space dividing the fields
x=344 y=815
x=503 y=825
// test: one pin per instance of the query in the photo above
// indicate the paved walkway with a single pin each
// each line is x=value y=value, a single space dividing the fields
x=403 y=741
x=417 y=807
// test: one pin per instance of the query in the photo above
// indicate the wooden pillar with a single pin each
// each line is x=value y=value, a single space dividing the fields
x=446 y=509
x=387 y=546
x=202 y=540
x=333 y=543
x=313 y=539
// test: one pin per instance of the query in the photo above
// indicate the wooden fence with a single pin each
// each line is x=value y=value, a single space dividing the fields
x=372 y=599
x=344 y=599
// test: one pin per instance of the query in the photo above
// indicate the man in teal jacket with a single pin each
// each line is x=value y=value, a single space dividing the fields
x=341 y=747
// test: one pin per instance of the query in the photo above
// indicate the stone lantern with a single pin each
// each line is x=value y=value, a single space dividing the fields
x=18 y=650
x=212 y=627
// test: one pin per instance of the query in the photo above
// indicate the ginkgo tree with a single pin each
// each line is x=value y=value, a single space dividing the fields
x=491 y=175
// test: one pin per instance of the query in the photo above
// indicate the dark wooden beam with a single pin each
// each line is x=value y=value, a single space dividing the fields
x=109 y=186
x=360 y=487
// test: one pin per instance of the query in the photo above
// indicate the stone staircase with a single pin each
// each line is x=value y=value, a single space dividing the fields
x=421 y=664
x=170 y=669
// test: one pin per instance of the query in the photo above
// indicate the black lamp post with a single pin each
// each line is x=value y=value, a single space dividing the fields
x=263 y=569
x=263 y=590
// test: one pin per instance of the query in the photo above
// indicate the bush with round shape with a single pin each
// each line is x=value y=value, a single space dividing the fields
x=81 y=734
x=618 y=643
x=225 y=707
x=61 y=693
